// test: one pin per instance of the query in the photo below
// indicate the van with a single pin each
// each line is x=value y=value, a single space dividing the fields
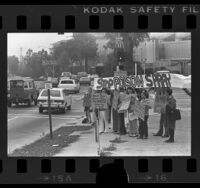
x=21 y=90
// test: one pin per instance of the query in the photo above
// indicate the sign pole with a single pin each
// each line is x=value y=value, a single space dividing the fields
x=98 y=137
x=49 y=111
x=136 y=69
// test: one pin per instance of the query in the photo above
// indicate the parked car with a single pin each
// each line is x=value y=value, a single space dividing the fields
x=60 y=100
x=81 y=74
x=69 y=85
x=21 y=90
x=85 y=80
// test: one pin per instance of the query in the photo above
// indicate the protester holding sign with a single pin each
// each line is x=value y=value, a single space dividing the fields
x=109 y=105
x=143 y=123
x=121 y=122
x=115 y=100
x=103 y=114
x=131 y=115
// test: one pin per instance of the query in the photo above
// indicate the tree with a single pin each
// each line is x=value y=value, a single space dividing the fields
x=13 y=65
x=81 y=48
x=130 y=40
x=34 y=63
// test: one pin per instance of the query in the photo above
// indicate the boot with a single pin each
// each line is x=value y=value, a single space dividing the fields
x=159 y=133
x=171 y=138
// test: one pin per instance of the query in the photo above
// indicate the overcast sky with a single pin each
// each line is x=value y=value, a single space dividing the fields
x=38 y=41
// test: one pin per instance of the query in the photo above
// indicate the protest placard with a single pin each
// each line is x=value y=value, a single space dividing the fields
x=120 y=73
x=134 y=81
x=99 y=101
x=124 y=105
x=160 y=101
x=115 y=99
x=139 y=109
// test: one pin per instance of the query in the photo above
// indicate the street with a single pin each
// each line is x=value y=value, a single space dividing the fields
x=26 y=125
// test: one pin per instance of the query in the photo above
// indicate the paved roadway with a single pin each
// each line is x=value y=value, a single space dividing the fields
x=25 y=124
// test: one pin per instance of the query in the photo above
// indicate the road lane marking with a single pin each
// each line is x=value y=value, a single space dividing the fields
x=13 y=118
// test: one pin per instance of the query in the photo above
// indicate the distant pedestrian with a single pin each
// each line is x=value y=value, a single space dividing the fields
x=143 y=124
x=170 y=119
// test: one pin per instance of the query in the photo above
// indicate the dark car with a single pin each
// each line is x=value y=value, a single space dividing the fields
x=21 y=90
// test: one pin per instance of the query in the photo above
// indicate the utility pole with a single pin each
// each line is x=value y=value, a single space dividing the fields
x=20 y=54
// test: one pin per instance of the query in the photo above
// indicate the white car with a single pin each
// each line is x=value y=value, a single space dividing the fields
x=85 y=80
x=69 y=85
x=60 y=100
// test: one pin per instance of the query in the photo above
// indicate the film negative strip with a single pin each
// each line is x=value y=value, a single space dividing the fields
x=55 y=57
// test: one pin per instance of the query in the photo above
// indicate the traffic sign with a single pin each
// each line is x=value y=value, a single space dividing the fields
x=48 y=85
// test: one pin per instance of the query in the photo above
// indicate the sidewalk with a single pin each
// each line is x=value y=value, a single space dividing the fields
x=130 y=146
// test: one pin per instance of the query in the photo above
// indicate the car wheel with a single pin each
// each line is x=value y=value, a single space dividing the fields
x=40 y=110
x=69 y=107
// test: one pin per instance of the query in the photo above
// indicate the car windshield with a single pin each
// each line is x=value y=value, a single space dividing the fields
x=16 y=84
x=53 y=93
x=66 y=82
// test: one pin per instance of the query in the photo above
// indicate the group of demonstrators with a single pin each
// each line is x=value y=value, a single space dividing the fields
x=127 y=104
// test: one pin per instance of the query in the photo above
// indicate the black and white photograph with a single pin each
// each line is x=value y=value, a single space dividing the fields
x=99 y=94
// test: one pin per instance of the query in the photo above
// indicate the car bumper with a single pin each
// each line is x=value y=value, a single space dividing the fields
x=53 y=106
x=72 y=90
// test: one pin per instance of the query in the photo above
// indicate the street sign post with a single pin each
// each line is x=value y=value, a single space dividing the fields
x=48 y=86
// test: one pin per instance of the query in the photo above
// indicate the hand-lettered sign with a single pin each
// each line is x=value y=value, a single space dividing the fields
x=99 y=101
x=139 y=109
x=134 y=81
x=124 y=105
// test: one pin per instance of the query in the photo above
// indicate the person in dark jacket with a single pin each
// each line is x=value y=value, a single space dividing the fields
x=170 y=119
x=163 y=120
x=115 y=116
x=143 y=124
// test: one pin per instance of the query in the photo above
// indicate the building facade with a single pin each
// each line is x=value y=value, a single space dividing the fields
x=159 y=54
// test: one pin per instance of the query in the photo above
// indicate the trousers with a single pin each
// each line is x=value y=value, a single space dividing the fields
x=103 y=121
x=143 y=126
